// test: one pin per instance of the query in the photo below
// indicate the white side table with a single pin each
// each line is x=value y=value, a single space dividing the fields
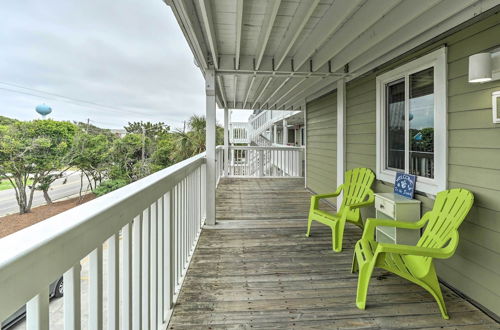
x=392 y=206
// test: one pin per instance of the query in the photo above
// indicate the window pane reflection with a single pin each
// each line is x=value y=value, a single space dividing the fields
x=395 y=125
x=421 y=118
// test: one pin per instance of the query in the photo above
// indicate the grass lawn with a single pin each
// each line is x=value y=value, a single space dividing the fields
x=5 y=184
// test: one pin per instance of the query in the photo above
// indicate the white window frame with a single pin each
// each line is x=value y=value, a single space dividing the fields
x=436 y=59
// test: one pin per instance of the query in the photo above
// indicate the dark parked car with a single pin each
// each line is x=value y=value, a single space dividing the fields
x=55 y=291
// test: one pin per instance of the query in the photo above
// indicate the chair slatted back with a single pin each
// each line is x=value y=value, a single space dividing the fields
x=357 y=184
x=449 y=211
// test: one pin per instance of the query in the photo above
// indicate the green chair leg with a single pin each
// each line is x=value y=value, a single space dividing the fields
x=338 y=235
x=431 y=284
x=309 y=222
x=354 y=267
x=365 y=274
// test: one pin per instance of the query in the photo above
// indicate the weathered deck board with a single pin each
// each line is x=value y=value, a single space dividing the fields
x=264 y=274
x=252 y=199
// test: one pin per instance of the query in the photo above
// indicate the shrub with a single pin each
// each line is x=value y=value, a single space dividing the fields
x=108 y=186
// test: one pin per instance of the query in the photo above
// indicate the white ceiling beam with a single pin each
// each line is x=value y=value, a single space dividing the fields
x=313 y=91
x=226 y=64
x=278 y=73
x=275 y=91
x=332 y=20
x=265 y=31
x=262 y=92
x=220 y=85
x=302 y=15
x=394 y=20
x=208 y=23
x=248 y=91
x=311 y=81
x=235 y=84
x=184 y=13
x=239 y=26
x=437 y=20
x=302 y=84
x=361 y=21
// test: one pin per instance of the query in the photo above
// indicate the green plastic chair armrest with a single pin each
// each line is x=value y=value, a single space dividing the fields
x=372 y=223
x=441 y=253
x=369 y=201
x=334 y=194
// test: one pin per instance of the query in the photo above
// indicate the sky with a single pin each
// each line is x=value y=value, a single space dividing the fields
x=105 y=60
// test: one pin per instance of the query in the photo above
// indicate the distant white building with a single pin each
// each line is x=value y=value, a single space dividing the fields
x=119 y=132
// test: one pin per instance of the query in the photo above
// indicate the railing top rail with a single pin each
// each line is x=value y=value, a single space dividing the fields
x=262 y=147
x=238 y=123
x=32 y=258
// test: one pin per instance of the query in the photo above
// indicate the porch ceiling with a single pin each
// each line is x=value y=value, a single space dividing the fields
x=275 y=54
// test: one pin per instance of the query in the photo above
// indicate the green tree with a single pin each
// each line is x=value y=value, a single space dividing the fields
x=190 y=143
x=130 y=156
x=32 y=151
x=92 y=129
x=5 y=121
x=45 y=183
x=152 y=130
x=162 y=154
x=92 y=156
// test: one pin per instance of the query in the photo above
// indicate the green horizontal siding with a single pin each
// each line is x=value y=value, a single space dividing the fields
x=321 y=152
x=474 y=157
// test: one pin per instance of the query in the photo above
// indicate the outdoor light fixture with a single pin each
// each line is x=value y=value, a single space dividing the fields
x=480 y=68
x=484 y=67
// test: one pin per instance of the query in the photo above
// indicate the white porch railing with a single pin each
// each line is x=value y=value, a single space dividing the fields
x=239 y=133
x=158 y=220
x=257 y=161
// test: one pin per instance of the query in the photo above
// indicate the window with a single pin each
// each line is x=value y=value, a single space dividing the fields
x=411 y=122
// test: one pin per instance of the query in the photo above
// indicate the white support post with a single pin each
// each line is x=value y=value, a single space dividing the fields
x=95 y=290
x=341 y=112
x=210 y=143
x=305 y=145
x=226 y=141
x=72 y=300
x=275 y=134
x=285 y=132
x=113 y=282
x=37 y=311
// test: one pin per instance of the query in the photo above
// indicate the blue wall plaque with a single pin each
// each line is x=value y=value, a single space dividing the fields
x=404 y=185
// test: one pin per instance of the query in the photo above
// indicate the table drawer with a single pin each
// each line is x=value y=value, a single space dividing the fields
x=384 y=206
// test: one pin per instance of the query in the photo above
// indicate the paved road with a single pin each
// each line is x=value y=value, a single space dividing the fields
x=8 y=203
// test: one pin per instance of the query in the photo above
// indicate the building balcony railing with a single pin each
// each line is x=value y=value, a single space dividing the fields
x=258 y=162
x=158 y=220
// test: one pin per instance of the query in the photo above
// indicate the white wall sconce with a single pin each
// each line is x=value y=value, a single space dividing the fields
x=484 y=67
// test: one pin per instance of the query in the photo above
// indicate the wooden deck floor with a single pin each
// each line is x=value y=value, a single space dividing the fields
x=261 y=274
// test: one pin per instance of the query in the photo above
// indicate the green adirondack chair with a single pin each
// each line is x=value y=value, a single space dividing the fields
x=357 y=193
x=414 y=263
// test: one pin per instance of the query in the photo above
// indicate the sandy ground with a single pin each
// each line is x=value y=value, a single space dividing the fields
x=14 y=222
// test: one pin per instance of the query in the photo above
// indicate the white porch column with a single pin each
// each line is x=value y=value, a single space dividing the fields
x=210 y=143
x=275 y=133
x=341 y=106
x=285 y=132
x=226 y=141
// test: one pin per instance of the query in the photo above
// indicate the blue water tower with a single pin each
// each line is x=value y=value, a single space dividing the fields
x=43 y=110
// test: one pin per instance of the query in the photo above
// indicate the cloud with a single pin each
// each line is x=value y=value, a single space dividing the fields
x=128 y=55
